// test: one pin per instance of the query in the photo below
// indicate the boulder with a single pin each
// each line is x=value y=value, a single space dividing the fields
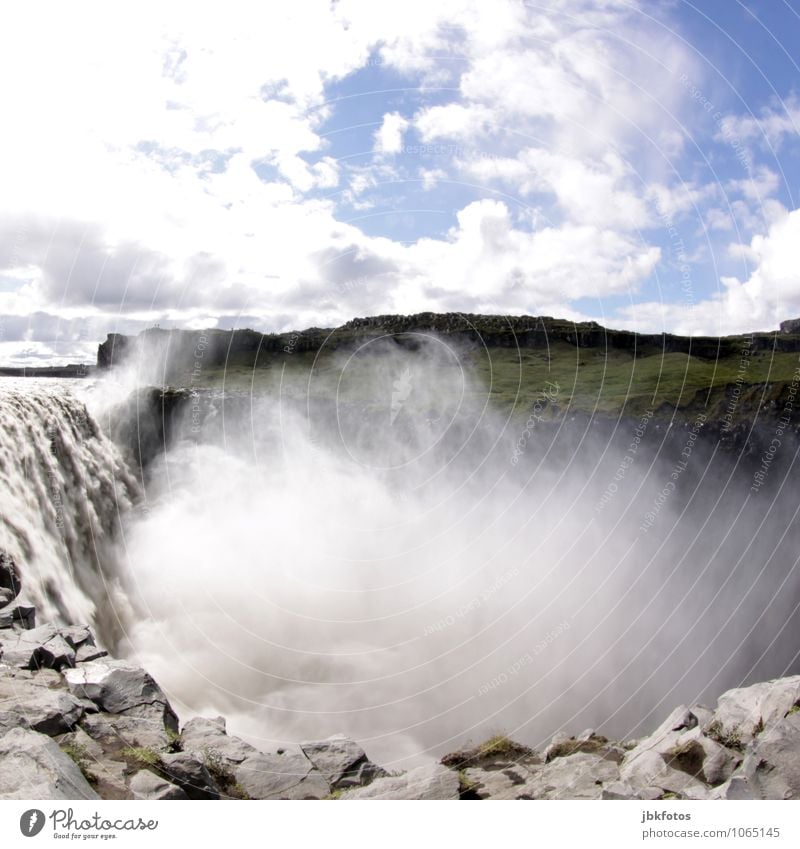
x=24 y=704
x=736 y=787
x=33 y=767
x=118 y=687
x=648 y=771
x=432 y=781
x=206 y=737
x=772 y=764
x=147 y=785
x=700 y=756
x=18 y=616
x=578 y=776
x=21 y=649
x=741 y=713
x=342 y=762
x=618 y=790
x=87 y=653
x=10 y=582
x=284 y=774
x=191 y=775
x=495 y=783
x=145 y=729
x=56 y=653
x=669 y=760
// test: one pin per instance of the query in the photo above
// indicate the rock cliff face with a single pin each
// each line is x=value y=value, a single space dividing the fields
x=249 y=347
x=76 y=724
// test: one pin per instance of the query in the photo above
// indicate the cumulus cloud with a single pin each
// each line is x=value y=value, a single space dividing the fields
x=389 y=138
x=760 y=300
x=184 y=169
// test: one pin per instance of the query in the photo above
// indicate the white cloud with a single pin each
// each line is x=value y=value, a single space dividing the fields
x=769 y=294
x=772 y=127
x=601 y=191
x=389 y=137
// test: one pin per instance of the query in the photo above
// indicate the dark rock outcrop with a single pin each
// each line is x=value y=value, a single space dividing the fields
x=9 y=579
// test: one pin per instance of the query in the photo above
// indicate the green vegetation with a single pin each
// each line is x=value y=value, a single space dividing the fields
x=499 y=745
x=730 y=740
x=222 y=775
x=573 y=746
x=562 y=378
x=80 y=756
x=142 y=755
x=466 y=786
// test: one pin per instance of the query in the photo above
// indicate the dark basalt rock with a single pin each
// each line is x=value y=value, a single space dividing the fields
x=10 y=583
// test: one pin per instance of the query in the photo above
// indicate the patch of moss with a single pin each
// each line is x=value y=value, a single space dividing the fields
x=794 y=709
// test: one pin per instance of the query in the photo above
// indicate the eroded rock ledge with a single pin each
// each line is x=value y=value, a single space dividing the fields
x=76 y=724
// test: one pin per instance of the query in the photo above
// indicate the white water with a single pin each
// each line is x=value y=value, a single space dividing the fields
x=63 y=487
x=392 y=574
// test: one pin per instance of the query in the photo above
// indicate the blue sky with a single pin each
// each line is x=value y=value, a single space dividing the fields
x=632 y=163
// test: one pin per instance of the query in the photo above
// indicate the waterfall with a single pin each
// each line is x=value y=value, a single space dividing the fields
x=64 y=488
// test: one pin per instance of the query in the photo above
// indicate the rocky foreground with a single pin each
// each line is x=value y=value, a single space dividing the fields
x=77 y=724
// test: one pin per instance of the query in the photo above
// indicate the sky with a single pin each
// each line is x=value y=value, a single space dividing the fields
x=285 y=165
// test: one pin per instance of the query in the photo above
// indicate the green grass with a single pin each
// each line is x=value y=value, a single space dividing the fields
x=80 y=756
x=588 y=379
x=142 y=755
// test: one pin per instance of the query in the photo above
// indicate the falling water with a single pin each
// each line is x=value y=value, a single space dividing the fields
x=63 y=489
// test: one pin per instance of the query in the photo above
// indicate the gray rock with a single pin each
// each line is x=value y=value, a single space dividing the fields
x=736 y=787
x=191 y=775
x=117 y=687
x=772 y=764
x=432 y=781
x=203 y=737
x=342 y=762
x=21 y=616
x=56 y=653
x=87 y=653
x=147 y=785
x=110 y=774
x=742 y=712
x=77 y=635
x=33 y=767
x=618 y=790
x=578 y=776
x=21 y=648
x=699 y=756
x=659 y=762
x=704 y=715
x=37 y=707
x=508 y=783
x=558 y=738
x=284 y=774
x=114 y=732
x=647 y=769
